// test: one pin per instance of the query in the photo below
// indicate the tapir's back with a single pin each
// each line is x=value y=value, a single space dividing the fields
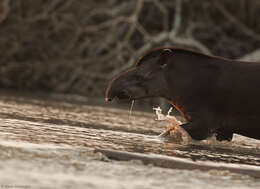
x=239 y=87
x=235 y=100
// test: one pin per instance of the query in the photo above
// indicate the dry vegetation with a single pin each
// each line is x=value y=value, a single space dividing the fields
x=76 y=46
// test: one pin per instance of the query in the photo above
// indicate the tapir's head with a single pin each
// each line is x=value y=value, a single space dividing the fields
x=145 y=79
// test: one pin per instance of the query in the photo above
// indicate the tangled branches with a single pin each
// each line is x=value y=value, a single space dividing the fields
x=76 y=46
x=135 y=28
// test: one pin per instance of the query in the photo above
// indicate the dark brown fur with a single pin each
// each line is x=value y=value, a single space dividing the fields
x=214 y=94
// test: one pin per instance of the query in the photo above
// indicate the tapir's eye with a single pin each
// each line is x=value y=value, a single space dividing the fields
x=165 y=54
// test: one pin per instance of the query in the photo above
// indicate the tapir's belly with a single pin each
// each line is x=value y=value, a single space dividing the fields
x=246 y=125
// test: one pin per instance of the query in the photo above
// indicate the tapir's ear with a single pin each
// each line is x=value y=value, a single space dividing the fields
x=165 y=54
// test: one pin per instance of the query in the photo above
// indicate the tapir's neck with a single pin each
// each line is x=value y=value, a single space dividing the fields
x=181 y=109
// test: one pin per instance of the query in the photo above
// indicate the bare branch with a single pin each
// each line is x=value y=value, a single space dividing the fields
x=177 y=19
x=134 y=18
x=236 y=22
x=252 y=56
x=109 y=23
x=5 y=10
x=165 y=12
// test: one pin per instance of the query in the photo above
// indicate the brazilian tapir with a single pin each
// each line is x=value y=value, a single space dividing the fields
x=215 y=95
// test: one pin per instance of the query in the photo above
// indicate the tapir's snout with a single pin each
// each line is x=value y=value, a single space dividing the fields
x=110 y=94
x=116 y=89
x=120 y=95
x=134 y=84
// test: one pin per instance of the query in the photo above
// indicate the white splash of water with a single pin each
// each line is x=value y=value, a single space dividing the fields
x=162 y=117
x=159 y=114
x=174 y=126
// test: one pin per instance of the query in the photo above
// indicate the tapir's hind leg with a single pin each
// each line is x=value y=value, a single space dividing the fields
x=222 y=134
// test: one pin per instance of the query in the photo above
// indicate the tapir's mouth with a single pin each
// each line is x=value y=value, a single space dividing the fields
x=124 y=95
x=124 y=91
x=121 y=95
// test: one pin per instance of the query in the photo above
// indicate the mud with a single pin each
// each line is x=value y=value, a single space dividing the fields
x=47 y=143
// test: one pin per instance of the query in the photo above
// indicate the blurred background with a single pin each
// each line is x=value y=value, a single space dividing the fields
x=77 y=46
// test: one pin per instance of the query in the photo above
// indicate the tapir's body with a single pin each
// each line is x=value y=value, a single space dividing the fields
x=214 y=94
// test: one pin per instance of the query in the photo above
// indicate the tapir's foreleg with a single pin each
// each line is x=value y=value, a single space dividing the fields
x=197 y=130
x=175 y=131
